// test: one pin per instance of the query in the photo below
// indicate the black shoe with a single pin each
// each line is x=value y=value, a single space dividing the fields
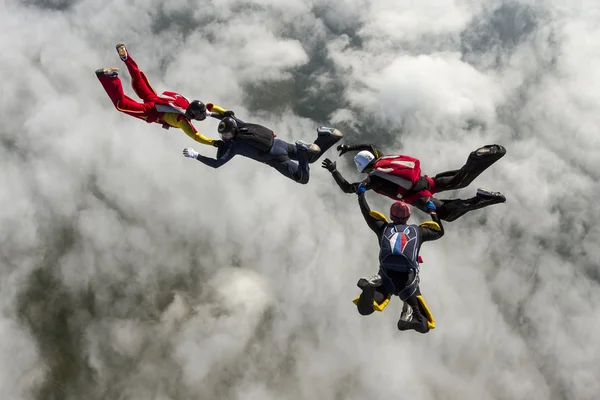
x=490 y=149
x=485 y=194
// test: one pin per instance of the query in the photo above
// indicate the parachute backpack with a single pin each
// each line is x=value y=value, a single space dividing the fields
x=256 y=135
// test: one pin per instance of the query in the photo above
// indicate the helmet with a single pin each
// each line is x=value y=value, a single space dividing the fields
x=363 y=159
x=399 y=212
x=196 y=110
x=227 y=128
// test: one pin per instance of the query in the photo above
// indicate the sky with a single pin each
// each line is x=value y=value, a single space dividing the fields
x=129 y=272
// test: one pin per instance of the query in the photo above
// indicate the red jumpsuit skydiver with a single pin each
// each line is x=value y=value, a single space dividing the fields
x=168 y=109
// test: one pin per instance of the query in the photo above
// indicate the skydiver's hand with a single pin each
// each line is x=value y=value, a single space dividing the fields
x=228 y=113
x=343 y=149
x=218 y=143
x=361 y=188
x=328 y=165
x=430 y=207
x=190 y=153
x=209 y=106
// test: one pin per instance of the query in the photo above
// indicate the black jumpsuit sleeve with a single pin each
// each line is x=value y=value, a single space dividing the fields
x=428 y=234
x=228 y=113
x=376 y=225
x=346 y=186
x=369 y=147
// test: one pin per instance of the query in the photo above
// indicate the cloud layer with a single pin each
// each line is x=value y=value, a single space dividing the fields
x=127 y=271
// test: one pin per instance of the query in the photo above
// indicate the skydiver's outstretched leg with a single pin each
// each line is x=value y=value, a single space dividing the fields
x=139 y=81
x=109 y=78
x=478 y=161
x=451 y=210
x=327 y=137
x=283 y=153
x=407 y=288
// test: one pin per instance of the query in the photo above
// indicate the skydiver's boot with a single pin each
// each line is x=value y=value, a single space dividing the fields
x=416 y=322
x=309 y=147
x=489 y=150
x=369 y=281
x=478 y=161
x=326 y=138
x=407 y=313
x=451 y=210
x=488 y=195
x=369 y=285
x=112 y=72
x=122 y=51
x=326 y=131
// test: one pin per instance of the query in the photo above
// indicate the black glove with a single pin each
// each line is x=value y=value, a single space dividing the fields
x=342 y=148
x=228 y=113
x=218 y=143
x=328 y=165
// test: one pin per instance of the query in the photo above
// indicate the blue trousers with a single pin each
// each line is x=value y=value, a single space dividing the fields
x=289 y=161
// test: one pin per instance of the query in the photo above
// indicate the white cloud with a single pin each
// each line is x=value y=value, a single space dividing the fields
x=134 y=244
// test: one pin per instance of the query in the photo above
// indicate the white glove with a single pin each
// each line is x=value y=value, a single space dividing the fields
x=190 y=153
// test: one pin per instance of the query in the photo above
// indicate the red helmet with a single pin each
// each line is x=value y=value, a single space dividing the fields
x=399 y=212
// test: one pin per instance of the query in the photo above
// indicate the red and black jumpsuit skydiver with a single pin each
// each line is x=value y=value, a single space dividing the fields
x=399 y=177
x=169 y=109
x=400 y=244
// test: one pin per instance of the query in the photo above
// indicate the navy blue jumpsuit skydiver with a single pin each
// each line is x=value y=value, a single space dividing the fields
x=281 y=156
x=259 y=143
x=399 y=270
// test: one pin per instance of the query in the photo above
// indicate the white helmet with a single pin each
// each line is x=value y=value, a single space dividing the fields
x=362 y=159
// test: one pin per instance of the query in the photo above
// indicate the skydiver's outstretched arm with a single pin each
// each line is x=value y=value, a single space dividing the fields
x=186 y=126
x=376 y=225
x=221 y=116
x=344 y=148
x=211 y=162
x=346 y=186
x=220 y=113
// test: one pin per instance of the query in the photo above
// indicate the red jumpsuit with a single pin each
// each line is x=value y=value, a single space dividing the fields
x=167 y=109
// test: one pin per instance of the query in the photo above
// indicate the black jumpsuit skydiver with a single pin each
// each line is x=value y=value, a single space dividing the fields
x=280 y=157
x=259 y=143
x=403 y=284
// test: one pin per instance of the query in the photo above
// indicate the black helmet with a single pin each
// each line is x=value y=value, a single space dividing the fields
x=196 y=110
x=227 y=128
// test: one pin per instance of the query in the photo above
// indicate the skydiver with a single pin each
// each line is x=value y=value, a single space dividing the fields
x=399 y=177
x=169 y=109
x=260 y=143
x=399 y=260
